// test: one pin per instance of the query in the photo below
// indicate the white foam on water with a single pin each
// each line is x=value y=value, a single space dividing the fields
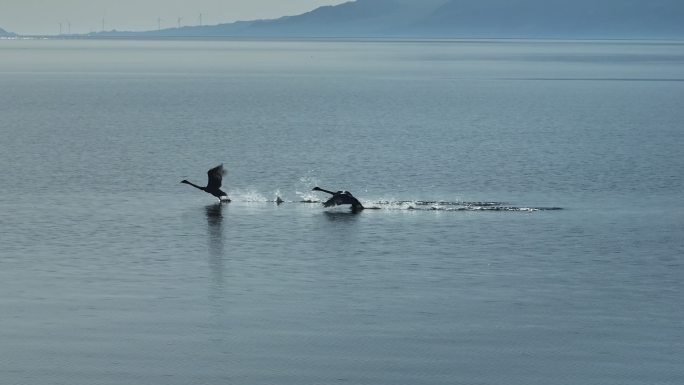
x=248 y=196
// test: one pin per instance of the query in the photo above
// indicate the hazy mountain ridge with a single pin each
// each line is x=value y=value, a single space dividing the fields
x=558 y=18
x=351 y=17
x=461 y=19
x=4 y=33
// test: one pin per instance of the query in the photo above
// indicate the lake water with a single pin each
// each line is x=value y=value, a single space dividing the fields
x=530 y=227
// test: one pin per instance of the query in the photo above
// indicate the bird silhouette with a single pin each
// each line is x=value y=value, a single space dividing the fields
x=215 y=176
x=341 y=198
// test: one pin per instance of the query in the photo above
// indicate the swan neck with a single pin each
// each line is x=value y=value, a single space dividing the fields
x=324 y=190
x=194 y=185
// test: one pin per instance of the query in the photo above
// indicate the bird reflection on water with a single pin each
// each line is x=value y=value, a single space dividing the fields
x=341 y=216
x=214 y=214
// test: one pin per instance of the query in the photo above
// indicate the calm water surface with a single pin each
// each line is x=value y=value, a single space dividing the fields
x=112 y=272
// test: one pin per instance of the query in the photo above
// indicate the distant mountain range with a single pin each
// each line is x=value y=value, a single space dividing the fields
x=458 y=19
x=4 y=33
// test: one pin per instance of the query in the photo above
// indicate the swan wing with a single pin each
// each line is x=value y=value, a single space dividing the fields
x=215 y=177
x=335 y=200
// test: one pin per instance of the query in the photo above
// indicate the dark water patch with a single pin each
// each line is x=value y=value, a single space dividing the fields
x=432 y=205
x=444 y=203
x=597 y=79
x=463 y=206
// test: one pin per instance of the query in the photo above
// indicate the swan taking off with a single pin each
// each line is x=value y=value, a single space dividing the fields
x=341 y=198
x=215 y=176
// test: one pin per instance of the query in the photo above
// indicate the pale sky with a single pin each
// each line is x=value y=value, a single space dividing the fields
x=42 y=17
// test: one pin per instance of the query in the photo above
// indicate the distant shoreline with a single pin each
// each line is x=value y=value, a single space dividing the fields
x=350 y=39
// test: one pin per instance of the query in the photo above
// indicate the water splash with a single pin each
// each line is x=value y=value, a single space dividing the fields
x=392 y=204
x=460 y=206
x=247 y=196
x=277 y=197
x=304 y=186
